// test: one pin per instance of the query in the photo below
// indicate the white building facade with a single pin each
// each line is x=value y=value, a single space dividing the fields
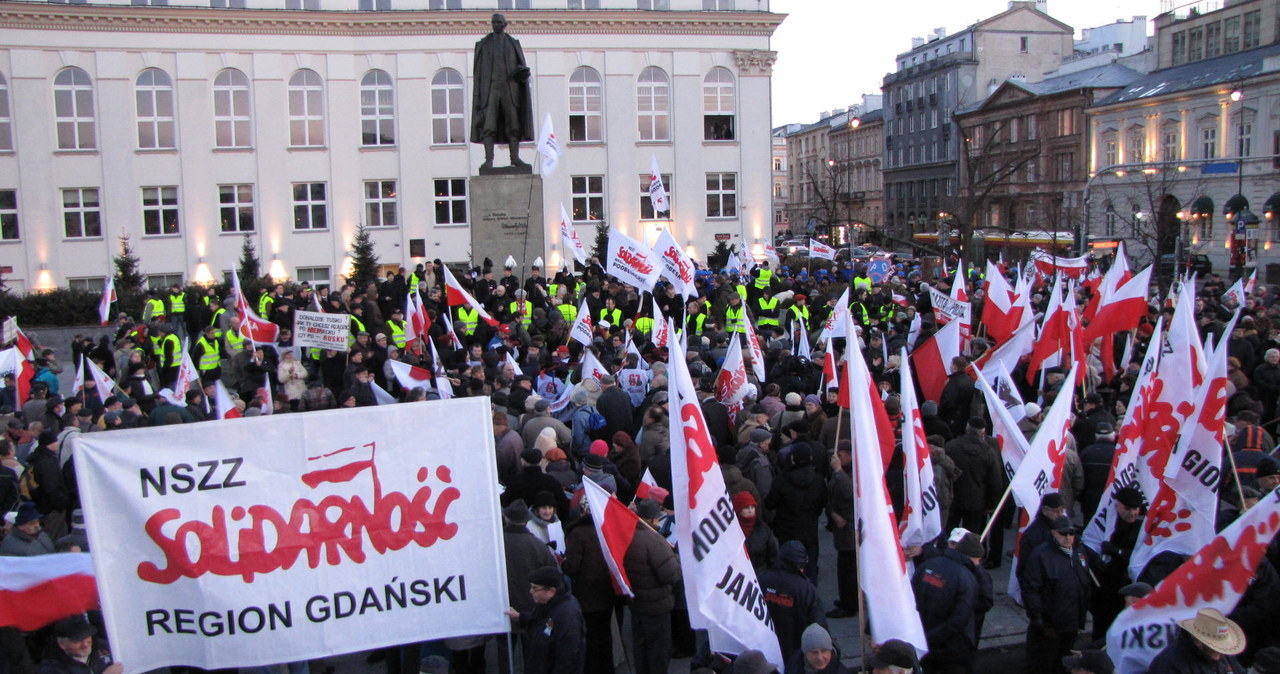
x=187 y=128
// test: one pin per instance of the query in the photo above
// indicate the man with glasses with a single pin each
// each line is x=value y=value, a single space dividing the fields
x=553 y=632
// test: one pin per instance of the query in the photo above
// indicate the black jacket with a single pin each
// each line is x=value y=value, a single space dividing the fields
x=793 y=604
x=1036 y=533
x=615 y=405
x=1096 y=462
x=51 y=493
x=554 y=637
x=1055 y=588
x=1182 y=657
x=981 y=478
x=946 y=591
x=797 y=500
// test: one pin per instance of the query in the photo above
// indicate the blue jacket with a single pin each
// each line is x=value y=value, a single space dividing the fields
x=946 y=591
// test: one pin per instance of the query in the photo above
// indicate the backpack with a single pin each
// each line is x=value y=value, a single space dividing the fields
x=595 y=420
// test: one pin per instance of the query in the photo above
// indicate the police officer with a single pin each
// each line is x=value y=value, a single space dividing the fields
x=946 y=591
x=735 y=316
x=208 y=355
x=1055 y=593
x=766 y=311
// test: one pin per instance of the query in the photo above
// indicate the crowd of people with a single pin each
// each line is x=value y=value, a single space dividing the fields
x=783 y=450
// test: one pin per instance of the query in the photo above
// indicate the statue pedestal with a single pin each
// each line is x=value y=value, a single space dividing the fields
x=506 y=219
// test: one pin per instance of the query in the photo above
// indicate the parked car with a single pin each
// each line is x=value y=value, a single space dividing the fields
x=794 y=247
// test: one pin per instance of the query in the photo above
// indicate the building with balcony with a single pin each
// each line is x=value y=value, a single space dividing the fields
x=190 y=126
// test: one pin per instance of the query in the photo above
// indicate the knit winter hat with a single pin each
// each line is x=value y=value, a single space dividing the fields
x=815 y=637
x=793 y=399
x=599 y=448
x=743 y=499
x=546 y=440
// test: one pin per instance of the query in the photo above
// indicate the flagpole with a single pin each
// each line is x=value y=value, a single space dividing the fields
x=857 y=560
x=1231 y=457
x=995 y=514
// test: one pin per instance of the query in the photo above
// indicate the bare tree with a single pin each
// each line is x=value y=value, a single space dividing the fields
x=989 y=160
x=1145 y=207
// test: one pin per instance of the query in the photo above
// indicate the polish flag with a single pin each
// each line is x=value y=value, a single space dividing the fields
x=38 y=591
x=583 y=327
x=1061 y=340
x=1001 y=313
x=1121 y=309
x=448 y=330
x=1041 y=469
x=1216 y=577
x=757 y=353
x=223 y=406
x=959 y=288
x=932 y=360
x=12 y=360
x=883 y=571
x=731 y=382
x=108 y=296
x=411 y=376
x=23 y=343
x=102 y=382
x=921 y=519
x=1011 y=352
x=648 y=488
x=615 y=527
x=457 y=297
x=443 y=387
x=268 y=398
x=252 y=327
x=1116 y=276
x=414 y=322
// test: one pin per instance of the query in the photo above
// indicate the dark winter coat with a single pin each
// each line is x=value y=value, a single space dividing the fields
x=524 y=554
x=653 y=569
x=1056 y=587
x=840 y=502
x=1182 y=657
x=762 y=545
x=554 y=636
x=797 y=500
x=51 y=494
x=529 y=482
x=584 y=563
x=981 y=479
x=793 y=604
x=1095 y=460
x=615 y=406
x=946 y=591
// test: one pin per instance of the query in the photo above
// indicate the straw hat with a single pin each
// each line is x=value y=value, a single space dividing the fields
x=1216 y=631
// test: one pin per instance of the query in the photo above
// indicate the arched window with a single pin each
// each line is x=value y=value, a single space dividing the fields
x=153 y=95
x=306 y=109
x=653 y=104
x=586 y=106
x=231 y=112
x=73 y=110
x=448 y=116
x=6 y=120
x=717 y=105
x=377 y=109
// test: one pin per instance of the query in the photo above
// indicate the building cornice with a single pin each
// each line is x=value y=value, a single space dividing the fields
x=150 y=19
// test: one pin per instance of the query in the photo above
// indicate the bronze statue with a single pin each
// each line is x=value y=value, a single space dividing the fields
x=501 y=109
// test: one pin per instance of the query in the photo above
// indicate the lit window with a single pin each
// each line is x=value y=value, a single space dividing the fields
x=377 y=109
x=159 y=211
x=73 y=110
x=235 y=207
x=310 y=208
x=588 y=198
x=586 y=106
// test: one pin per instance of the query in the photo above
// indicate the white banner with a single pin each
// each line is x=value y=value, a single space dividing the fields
x=947 y=308
x=821 y=250
x=569 y=236
x=631 y=261
x=676 y=265
x=278 y=539
x=324 y=331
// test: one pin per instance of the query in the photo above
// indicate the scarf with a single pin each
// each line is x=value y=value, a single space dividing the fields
x=748 y=524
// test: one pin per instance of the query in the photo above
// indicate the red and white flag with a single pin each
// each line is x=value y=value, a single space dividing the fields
x=657 y=191
x=731 y=381
x=1130 y=437
x=413 y=321
x=41 y=590
x=1041 y=469
x=648 y=488
x=883 y=571
x=458 y=296
x=583 y=327
x=1241 y=290
x=252 y=327
x=821 y=250
x=1116 y=276
x=108 y=296
x=411 y=376
x=1215 y=577
x=921 y=517
x=12 y=360
x=932 y=360
x=1047 y=264
x=676 y=265
x=1010 y=352
x=443 y=387
x=757 y=353
x=1121 y=309
x=721 y=589
x=615 y=527
x=1001 y=313
x=835 y=324
x=632 y=261
x=452 y=336
x=569 y=237
x=223 y=406
x=1061 y=339
x=23 y=343
x=268 y=397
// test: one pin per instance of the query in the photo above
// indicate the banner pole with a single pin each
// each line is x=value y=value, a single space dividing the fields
x=996 y=513
x=1231 y=457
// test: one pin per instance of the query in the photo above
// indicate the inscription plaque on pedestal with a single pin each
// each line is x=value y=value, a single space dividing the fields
x=506 y=219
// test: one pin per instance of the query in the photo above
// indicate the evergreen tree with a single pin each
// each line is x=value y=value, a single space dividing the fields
x=602 y=242
x=249 y=267
x=719 y=255
x=364 y=265
x=128 y=278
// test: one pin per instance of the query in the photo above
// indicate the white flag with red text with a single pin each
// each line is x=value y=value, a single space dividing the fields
x=721 y=589
x=821 y=250
x=583 y=327
x=1041 y=469
x=548 y=147
x=657 y=191
x=591 y=367
x=676 y=265
x=569 y=236
x=632 y=262
x=731 y=381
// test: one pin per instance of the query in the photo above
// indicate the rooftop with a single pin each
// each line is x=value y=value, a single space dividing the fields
x=1229 y=69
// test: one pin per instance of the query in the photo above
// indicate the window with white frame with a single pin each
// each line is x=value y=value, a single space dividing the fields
x=9 y=216
x=451 y=201
x=159 y=210
x=1169 y=143
x=231 y=112
x=646 y=206
x=1135 y=143
x=1209 y=142
x=310 y=206
x=374 y=5
x=653 y=104
x=586 y=106
x=1244 y=137
x=380 y=203
x=653 y=4
x=588 y=198
x=717 y=4
x=722 y=195
x=6 y=119
x=153 y=96
x=718 y=105
x=318 y=277
x=377 y=109
x=235 y=207
x=88 y=284
x=448 y=121
x=1110 y=151
x=302 y=4
x=73 y=110
x=163 y=281
x=81 y=213
x=306 y=109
